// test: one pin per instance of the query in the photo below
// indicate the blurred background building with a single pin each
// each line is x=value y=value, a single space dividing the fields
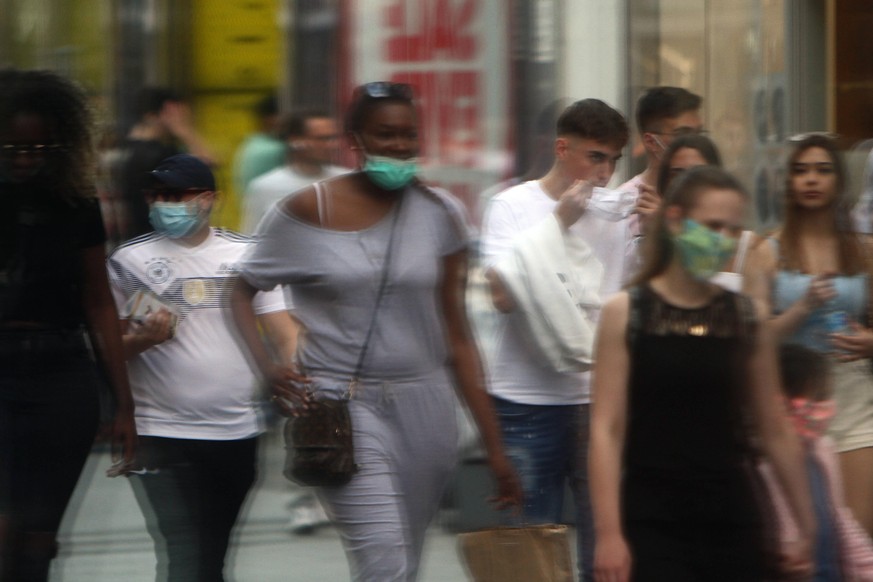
x=484 y=69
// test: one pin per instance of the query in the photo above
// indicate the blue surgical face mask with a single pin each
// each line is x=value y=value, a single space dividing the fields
x=702 y=251
x=390 y=173
x=177 y=219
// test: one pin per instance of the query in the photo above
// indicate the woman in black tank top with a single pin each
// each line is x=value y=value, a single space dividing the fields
x=684 y=375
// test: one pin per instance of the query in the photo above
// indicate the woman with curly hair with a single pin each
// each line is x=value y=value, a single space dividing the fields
x=58 y=323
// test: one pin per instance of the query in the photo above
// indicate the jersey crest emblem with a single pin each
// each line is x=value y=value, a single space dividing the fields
x=194 y=291
x=158 y=272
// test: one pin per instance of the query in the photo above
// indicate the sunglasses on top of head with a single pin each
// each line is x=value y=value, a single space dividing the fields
x=385 y=90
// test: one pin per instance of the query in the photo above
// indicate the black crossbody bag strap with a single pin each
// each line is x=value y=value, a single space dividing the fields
x=380 y=294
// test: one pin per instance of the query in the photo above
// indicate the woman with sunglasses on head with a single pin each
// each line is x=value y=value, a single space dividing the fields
x=683 y=367
x=406 y=345
x=814 y=273
x=53 y=290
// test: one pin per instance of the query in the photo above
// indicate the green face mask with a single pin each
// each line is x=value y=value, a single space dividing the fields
x=702 y=251
x=390 y=173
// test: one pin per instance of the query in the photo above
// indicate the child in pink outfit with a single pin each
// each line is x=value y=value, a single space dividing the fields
x=843 y=551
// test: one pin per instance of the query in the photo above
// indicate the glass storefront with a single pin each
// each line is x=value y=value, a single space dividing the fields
x=734 y=54
x=767 y=69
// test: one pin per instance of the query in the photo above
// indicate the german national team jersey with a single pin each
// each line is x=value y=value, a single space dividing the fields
x=199 y=383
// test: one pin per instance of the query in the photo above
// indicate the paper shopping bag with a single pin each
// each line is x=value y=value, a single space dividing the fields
x=533 y=553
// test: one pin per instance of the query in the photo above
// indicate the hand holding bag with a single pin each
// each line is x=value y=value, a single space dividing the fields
x=539 y=553
x=318 y=442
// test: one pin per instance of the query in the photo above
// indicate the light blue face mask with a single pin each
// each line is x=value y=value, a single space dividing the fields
x=390 y=173
x=703 y=252
x=177 y=219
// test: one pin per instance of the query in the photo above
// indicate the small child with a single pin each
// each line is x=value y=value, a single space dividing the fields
x=842 y=549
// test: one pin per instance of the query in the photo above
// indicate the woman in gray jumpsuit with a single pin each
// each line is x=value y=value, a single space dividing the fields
x=330 y=243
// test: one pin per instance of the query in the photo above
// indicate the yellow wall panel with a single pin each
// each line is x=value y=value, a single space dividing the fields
x=224 y=120
x=236 y=54
x=90 y=39
x=236 y=44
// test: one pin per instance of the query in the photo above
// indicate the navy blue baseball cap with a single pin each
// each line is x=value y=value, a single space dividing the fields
x=184 y=171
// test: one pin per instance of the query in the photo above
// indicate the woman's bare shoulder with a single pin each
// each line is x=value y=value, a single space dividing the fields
x=762 y=252
x=616 y=308
x=302 y=205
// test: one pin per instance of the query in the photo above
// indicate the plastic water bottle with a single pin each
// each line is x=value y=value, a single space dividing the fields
x=836 y=321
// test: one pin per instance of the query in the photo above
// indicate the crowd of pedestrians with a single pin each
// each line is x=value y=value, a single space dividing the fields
x=641 y=337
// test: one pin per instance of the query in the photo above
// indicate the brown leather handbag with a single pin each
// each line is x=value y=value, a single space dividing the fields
x=320 y=450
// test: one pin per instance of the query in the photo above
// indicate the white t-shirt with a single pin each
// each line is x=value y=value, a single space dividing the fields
x=198 y=384
x=517 y=371
x=266 y=190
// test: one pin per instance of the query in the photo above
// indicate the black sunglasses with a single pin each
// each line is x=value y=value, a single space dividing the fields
x=385 y=90
x=12 y=149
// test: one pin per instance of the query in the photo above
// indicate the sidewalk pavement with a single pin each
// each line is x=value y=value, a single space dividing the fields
x=104 y=539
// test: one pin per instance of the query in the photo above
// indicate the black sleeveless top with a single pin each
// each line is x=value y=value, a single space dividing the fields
x=687 y=438
x=42 y=236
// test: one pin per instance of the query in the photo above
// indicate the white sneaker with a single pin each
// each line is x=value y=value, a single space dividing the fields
x=306 y=516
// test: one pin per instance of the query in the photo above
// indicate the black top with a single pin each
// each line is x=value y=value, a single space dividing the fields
x=41 y=238
x=686 y=435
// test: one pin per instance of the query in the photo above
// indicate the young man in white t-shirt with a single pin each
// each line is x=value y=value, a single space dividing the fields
x=312 y=138
x=544 y=412
x=198 y=401
x=662 y=115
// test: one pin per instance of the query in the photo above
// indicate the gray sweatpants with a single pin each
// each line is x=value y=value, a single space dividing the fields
x=406 y=445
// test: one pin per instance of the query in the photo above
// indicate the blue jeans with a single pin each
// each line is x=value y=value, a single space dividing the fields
x=191 y=492
x=548 y=445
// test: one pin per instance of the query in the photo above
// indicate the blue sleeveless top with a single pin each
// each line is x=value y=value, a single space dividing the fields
x=791 y=286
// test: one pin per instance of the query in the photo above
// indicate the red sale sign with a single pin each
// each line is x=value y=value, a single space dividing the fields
x=455 y=53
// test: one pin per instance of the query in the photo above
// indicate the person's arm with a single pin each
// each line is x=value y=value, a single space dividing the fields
x=470 y=379
x=178 y=119
x=759 y=272
x=103 y=328
x=281 y=332
x=501 y=230
x=612 y=559
x=857 y=343
x=281 y=378
x=501 y=297
x=781 y=446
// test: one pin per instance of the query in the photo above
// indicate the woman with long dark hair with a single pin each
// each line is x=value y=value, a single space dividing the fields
x=683 y=366
x=814 y=274
x=56 y=316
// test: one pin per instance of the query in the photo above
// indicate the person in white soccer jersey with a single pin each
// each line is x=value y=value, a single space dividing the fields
x=198 y=404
